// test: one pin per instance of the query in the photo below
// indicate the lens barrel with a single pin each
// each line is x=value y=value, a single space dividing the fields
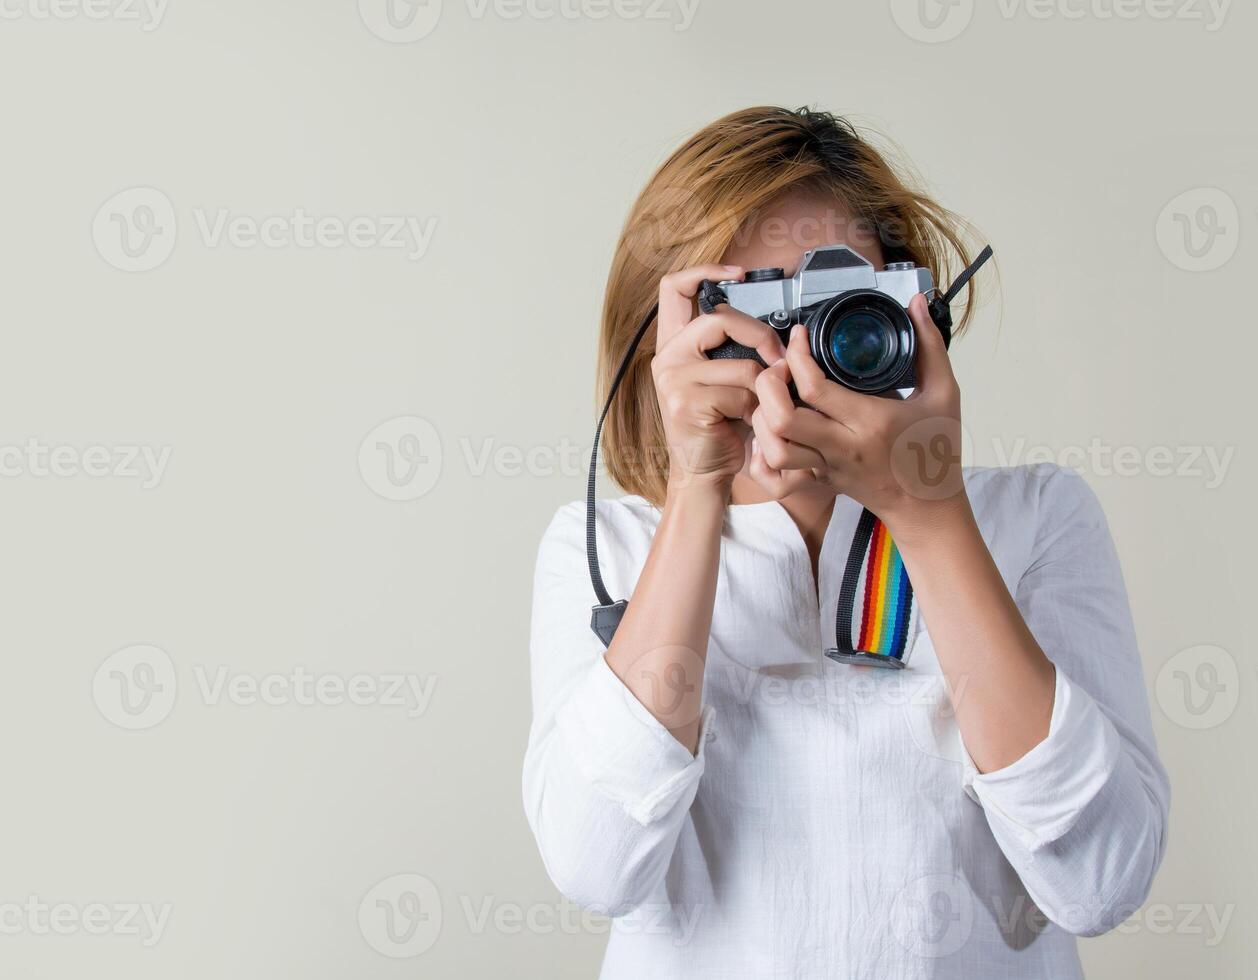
x=863 y=340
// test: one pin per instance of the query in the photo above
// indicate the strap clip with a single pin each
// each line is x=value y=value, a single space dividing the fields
x=605 y=619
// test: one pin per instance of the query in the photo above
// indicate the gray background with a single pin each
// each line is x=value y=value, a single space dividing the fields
x=273 y=830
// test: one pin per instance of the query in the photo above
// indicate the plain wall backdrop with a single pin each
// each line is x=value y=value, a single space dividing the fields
x=299 y=305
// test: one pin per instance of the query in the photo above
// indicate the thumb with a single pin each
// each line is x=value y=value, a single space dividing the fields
x=933 y=369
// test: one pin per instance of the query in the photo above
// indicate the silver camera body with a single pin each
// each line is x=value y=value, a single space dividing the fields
x=859 y=329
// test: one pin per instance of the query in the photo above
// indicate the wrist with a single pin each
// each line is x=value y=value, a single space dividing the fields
x=693 y=509
x=710 y=487
x=917 y=523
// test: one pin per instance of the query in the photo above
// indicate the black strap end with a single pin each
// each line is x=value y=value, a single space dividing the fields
x=710 y=297
x=941 y=305
x=941 y=314
x=859 y=659
x=605 y=619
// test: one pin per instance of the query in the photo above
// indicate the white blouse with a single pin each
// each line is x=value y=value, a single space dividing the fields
x=832 y=824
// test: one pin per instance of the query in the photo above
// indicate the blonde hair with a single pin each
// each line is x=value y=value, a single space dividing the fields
x=694 y=207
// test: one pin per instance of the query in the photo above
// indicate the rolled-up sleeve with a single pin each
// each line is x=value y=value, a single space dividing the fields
x=606 y=786
x=1082 y=816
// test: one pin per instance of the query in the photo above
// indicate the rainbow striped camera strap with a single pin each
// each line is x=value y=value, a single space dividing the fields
x=876 y=619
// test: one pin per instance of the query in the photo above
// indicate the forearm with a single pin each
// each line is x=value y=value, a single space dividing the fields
x=659 y=648
x=1000 y=680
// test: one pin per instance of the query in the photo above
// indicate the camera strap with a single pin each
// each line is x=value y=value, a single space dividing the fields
x=882 y=635
x=876 y=619
x=606 y=616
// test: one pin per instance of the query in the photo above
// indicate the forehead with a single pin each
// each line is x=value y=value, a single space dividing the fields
x=783 y=231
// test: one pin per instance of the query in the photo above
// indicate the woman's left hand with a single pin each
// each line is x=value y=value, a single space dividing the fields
x=901 y=458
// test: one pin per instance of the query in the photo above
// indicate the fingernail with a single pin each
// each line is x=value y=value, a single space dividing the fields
x=797 y=331
x=732 y=268
x=755 y=446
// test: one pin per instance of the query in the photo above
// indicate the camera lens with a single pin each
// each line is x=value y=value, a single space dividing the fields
x=862 y=343
x=864 y=340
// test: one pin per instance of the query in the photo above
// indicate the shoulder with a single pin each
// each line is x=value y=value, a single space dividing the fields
x=622 y=523
x=1044 y=491
x=1026 y=511
x=621 y=512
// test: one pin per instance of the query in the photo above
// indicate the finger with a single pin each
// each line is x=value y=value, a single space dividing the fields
x=934 y=369
x=781 y=454
x=713 y=329
x=816 y=389
x=727 y=403
x=778 y=483
x=798 y=424
x=832 y=440
x=677 y=293
x=775 y=395
x=730 y=373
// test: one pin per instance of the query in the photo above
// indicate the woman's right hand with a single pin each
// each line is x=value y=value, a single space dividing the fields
x=702 y=402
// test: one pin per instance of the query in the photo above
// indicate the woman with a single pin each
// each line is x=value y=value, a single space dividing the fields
x=740 y=804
